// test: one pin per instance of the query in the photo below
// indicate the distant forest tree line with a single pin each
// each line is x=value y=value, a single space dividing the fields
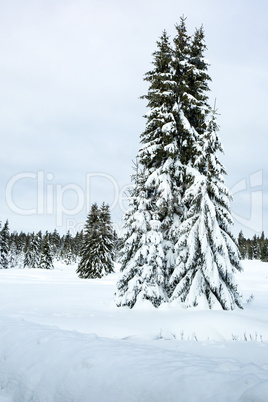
x=37 y=250
x=253 y=249
x=94 y=249
x=40 y=250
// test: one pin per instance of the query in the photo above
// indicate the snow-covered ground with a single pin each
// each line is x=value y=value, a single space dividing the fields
x=62 y=339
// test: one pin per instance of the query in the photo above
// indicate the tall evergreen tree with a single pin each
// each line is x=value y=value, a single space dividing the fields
x=179 y=202
x=97 y=245
x=166 y=152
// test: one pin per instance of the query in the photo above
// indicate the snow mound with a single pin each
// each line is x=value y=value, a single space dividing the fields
x=47 y=364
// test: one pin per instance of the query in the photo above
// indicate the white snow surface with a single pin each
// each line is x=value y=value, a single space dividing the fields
x=62 y=339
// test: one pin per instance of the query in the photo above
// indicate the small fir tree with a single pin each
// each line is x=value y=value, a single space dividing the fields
x=46 y=259
x=16 y=253
x=13 y=262
x=250 y=250
x=55 y=244
x=67 y=252
x=32 y=252
x=264 y=251
x=97 y=245
x=256 y=250
x=107 y=238
x=77 y=241
x=27 y=256
x=242 y=245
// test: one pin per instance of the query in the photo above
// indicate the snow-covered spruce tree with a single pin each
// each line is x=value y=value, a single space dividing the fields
x=67 y=252
x=4 y=248
x=264 y=252
x=107 y=238
x=77 y=241
x=46 y=259
x=97 y=245
x=27 y=255
x=32 y=252
x=256 y=250
x=55 y=244
x=207 y=254
x=242 y=245
x=169 y=195
x=16 y=254
x=154 y=214
x=12 y=255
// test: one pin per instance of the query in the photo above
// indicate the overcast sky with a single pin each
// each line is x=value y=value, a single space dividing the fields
x=71 y=74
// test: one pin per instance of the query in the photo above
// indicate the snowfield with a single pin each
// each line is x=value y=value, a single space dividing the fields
x=62 y=339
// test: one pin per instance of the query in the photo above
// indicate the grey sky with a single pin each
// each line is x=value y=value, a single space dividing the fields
x=71 y=73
